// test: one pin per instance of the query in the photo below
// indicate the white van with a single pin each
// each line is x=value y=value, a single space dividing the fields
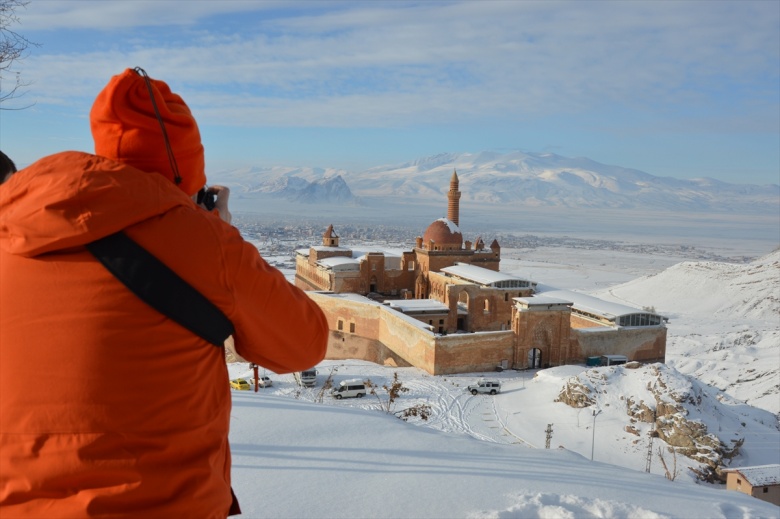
x=349 y=389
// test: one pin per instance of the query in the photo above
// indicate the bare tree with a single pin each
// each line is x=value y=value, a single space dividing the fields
x=422 y=411
x=13 y=47
x=672 y=474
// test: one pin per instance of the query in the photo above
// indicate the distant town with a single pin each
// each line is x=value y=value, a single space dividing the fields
x=281 y=237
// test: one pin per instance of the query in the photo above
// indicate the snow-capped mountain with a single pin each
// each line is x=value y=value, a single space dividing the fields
x=546 y=179
x=517 y=178
x=304 y=185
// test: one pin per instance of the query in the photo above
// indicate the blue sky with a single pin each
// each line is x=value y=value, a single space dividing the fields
x=680 y=89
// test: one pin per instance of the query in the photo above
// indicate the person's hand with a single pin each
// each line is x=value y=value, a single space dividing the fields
x=221 y=205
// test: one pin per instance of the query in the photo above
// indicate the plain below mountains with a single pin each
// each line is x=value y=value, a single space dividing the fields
x=511 y=179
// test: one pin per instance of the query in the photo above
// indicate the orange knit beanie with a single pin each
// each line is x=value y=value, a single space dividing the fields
x=126 y=129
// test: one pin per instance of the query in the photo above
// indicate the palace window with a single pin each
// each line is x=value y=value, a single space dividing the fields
x=341 y=325
x=511 y=283
x=351 y=327
x=642 y=319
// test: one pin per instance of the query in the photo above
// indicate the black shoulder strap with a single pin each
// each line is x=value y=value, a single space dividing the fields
x=160 y=287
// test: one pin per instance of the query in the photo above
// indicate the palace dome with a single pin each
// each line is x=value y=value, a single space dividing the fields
x=445 y=235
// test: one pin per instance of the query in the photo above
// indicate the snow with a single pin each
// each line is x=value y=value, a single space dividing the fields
x=479 y=274
x=542 y=301
x=340 y=263
x=299 y=453
x=589 y=303
x=416 y=305
x=450 y=225
x=478 y=457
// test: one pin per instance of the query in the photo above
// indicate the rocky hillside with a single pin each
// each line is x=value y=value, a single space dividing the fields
x=694 y=426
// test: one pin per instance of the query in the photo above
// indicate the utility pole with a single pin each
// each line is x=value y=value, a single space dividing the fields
x=593 y=440
x=254 y=367
x=549 y=432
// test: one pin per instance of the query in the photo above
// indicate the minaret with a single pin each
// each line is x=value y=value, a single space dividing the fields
x=453 y=200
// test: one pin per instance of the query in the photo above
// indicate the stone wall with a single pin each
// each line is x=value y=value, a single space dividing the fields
x=366 y=330
x=349 y=281
x=645 y=344
x=310 y=277
x=374 y=332
x=472 y=352
x=577 y=321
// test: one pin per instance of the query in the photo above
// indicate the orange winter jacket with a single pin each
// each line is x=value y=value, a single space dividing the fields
x=107 y=407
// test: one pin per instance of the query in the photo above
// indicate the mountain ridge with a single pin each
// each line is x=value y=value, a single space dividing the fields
x=530 y=179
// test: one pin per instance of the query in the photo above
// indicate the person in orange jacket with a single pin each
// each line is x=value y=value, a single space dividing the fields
x=108 y=408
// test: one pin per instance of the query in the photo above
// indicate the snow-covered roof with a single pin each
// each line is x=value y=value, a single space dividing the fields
x=363 y=252
x=392 y=260
x=350 y=296
x=588 y=303
x=450 y=225
x=542 y=301
x=326 y=248
x=340 y=263
x=417 y=305
x=479 y=275
x=760 y=475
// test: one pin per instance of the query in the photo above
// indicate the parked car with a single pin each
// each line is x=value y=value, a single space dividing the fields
x=240 y=384
x=306 y=378
x=349 y=388
x=264 y=382
x=485 y=386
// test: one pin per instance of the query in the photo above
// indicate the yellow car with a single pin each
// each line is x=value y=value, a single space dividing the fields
x=240 y=384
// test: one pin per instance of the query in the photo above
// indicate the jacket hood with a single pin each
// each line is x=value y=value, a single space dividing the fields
x=72 y=198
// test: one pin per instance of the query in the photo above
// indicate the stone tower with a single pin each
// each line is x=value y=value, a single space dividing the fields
x=453 y=200
x=329 y=237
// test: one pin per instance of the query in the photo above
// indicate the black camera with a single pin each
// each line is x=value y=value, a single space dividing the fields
x=207 y=199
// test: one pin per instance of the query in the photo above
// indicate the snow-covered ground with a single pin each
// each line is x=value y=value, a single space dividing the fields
x=299 y=453
x=724 y=323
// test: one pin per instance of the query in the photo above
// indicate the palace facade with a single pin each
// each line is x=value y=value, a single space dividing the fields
x=445 y=307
